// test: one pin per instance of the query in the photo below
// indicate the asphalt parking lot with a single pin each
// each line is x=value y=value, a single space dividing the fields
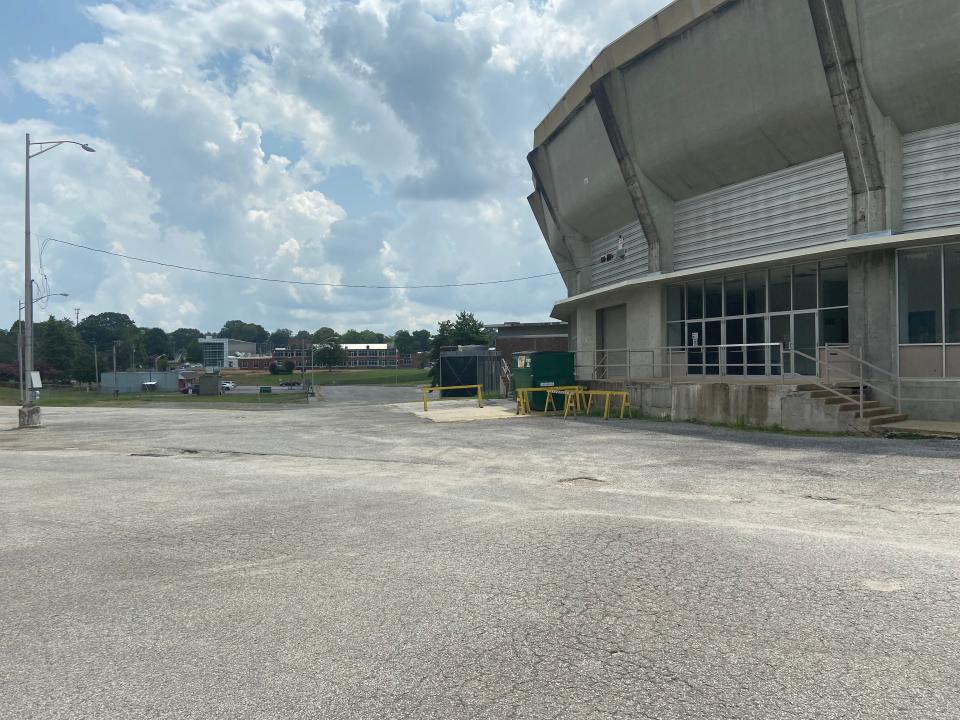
x=350 y=560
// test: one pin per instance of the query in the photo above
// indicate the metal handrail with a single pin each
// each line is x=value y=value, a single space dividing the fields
x=601 y=365
x=897 y=397
x=793 y=352
x=860 y=360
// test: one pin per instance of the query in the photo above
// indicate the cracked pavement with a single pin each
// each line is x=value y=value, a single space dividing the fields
x=349 y=560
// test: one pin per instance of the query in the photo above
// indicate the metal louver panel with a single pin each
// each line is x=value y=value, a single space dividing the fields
x=799 y=207
x=931 y=178
x=634 y=262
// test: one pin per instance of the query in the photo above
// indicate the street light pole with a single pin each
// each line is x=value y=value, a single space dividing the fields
x=28 y=416
x=30 y=413
x=20 y=344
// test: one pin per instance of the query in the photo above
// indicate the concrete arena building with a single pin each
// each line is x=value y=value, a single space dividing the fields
x=735 y=174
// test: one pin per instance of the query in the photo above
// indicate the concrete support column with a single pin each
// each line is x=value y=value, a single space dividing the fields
x=586 y=319
x=654 y=209
x=859 y=134
x=872 y=294
x=570 y=250
x=645 y=329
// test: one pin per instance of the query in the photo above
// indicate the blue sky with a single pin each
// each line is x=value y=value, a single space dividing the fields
x=368 y=142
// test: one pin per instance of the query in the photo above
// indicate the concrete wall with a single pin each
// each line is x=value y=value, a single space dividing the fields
x=931 y=399
x=644 y=328
x=872 y=297
x=131 y=382
x=760 y=405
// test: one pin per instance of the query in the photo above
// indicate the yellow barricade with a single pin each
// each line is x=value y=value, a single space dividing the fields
x=585 y=400
x=523 y=397
x=427 y=390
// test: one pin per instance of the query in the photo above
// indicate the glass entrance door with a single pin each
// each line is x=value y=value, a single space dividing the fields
x=797 y=332
x=780 y=333
x=805 y=341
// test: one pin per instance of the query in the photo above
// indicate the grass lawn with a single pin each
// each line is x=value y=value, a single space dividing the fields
x=405 y=377
x=65 y=397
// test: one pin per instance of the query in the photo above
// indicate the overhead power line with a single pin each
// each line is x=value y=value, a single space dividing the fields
x=287 y=281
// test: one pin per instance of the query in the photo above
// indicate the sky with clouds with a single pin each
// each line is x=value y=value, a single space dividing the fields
x=377 y=142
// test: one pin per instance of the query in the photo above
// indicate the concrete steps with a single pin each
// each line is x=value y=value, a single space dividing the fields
x=874 y=414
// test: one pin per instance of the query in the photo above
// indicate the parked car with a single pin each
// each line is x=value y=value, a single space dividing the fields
x=228 y=385
x=190 y=389
x=289 y=383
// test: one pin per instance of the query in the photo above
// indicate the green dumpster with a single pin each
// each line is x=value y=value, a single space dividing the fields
x=543 y=368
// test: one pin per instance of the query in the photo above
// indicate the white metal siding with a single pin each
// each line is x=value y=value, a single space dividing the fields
x=931 y=178
x=632 y=265
x=799 y=207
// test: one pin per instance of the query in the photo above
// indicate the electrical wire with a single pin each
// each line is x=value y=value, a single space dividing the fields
x=286 y=281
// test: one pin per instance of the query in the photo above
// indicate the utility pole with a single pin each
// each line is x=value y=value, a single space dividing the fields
x=76 y=311
x=116 y=381
x=29 y=415
x=96 y=369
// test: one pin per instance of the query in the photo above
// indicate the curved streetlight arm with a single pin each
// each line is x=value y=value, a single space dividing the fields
x=57 y=143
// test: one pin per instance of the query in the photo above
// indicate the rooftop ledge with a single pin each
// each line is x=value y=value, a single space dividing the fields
x=672 y=20
x=857 y=243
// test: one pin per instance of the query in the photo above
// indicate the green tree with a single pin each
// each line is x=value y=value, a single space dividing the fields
x=156 y=342
x=194 y=352
x=362 y=337
x=8 y=345
x=56 y=344
x=105 y=328
x=464 y=330
x=240 y=330
x=422 y=339
x=404 y=342
x=181 y=339
x=331 y=355
x=324 y=334
x=279 y=338
x=84 y=369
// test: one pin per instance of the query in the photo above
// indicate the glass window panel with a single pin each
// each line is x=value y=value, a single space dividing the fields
x=714 y=336
x=694 y=300
x=733 y=294
x=951 y=286
x=756 y=293
x=805 y=286
x=734 y=355
x=735 y=331
x=695 y=340
x=675 y=334
x=713 y=297
x=919 y=296
x=833 y=283
x=675 y=302
x=779 y=289
x=756 y=356
x=834 y=328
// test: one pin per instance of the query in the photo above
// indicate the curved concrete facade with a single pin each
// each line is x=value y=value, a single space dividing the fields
x=736 y=137
x=709 y=93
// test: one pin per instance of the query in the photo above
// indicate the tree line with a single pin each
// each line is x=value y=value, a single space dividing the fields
x=65 y=351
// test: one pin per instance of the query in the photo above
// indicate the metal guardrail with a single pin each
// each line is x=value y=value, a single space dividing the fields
x=672 y=362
